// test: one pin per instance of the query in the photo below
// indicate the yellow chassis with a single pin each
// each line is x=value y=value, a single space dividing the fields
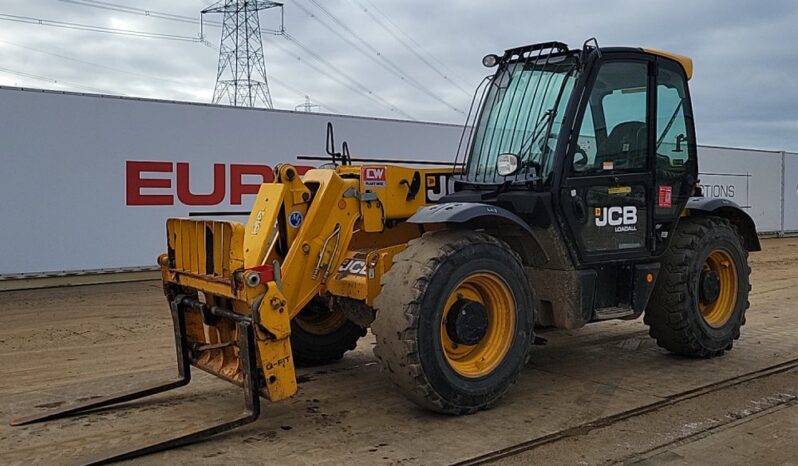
x=331 y=231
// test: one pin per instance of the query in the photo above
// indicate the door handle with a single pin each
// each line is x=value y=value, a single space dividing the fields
x=578 y=205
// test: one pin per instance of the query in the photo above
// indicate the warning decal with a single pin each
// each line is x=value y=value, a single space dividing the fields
x=665 y=197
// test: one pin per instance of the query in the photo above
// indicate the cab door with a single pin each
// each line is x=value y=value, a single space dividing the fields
x=676 y=160
x=606 y=193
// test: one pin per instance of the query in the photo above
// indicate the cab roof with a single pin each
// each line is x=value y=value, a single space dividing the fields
x=686 y=62
x=560 y=48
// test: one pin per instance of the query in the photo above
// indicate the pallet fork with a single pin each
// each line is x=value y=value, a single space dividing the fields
x=247 y=357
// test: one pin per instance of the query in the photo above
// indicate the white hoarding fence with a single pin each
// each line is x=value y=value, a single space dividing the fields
x=790 y=183
x=89 y=180
x=751 y=178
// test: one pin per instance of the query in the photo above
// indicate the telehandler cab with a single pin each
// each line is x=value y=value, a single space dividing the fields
x=573 y=199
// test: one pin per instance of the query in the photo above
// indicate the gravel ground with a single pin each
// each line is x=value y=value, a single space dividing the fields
x=67 y=344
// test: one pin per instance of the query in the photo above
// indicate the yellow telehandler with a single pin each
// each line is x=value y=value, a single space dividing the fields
x=573 y=199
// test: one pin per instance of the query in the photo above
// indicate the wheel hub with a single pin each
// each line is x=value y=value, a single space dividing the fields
x=709 y=286
x=467 y=322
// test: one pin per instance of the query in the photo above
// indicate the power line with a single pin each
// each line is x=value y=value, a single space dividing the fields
x=164 y=15
x=379 y=54
x=241 y=75
x=77 y=60
x=409 y=47
x=355 y=85
x=339 y=34
x=133 y=73
x=290 y=87
x=411 y=39
x=152 y=13
x=140 y=11
x=56 y=81
x=91 y=28
x=378 y=58
x=172 y=17
x=326 y=73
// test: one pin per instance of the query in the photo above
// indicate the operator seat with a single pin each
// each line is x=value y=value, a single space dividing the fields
x=625 y=146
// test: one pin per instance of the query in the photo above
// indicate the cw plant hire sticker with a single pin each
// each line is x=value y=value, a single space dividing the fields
x=373 y=177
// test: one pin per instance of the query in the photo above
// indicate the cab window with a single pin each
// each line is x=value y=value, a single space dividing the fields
x=613 y=135
x=675 y=140
x=672 y=138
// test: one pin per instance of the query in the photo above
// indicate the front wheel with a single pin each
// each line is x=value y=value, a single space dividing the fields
x=700 y=298
x=320 y=335
x=454 y=321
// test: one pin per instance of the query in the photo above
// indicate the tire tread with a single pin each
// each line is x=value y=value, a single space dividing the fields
x=398 y=304
x=668 y=312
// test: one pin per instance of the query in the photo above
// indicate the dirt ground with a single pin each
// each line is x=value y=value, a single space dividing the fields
x=62 y=345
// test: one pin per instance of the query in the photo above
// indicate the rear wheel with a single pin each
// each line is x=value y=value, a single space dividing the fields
x=699 y=302
x=454 y=321
x=320 y=335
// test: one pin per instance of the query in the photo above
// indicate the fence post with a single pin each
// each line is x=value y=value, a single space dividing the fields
x=783 y=191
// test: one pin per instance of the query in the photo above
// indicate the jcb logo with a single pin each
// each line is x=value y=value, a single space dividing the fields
x=623 y=217
x=439 y=185
x=356 y=266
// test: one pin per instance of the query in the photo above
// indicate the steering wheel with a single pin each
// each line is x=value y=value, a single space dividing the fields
x=529 y=163
x=580 y=164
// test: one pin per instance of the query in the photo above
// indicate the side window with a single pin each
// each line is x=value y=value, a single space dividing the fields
x=623 y=106
x=585 y=157
x=616 y=126
x=672 y=148
x=675 y=140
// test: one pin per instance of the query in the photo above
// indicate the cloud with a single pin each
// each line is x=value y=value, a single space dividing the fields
x=743 y=51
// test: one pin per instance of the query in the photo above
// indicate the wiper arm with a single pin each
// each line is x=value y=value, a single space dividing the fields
x=665 y=131
x=536 y=133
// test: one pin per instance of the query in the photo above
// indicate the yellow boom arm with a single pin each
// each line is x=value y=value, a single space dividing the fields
x=300 y=231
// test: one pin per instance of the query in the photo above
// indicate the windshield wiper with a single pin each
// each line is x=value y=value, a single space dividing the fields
x=537 y=131
x=665 y=131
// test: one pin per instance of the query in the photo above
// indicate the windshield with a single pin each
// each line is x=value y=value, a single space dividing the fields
x=521 y=114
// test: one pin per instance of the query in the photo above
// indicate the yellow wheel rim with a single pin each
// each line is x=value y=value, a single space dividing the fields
x=718 y=313
x=318 y=320
x=483 y=357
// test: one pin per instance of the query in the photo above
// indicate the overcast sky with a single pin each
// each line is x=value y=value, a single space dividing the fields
x=744 y=90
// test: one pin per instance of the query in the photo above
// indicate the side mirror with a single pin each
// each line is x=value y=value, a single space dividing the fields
x=507 y=164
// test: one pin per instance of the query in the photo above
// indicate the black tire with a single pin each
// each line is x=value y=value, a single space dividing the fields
x=410 y=310
x=321 y=336
x=674 y=314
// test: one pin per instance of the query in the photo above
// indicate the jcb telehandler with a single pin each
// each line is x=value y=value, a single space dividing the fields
x=573 y=199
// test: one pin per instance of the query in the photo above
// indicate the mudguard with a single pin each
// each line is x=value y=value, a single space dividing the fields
x=727 y=209
x=477 y=215
x=462 y=212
